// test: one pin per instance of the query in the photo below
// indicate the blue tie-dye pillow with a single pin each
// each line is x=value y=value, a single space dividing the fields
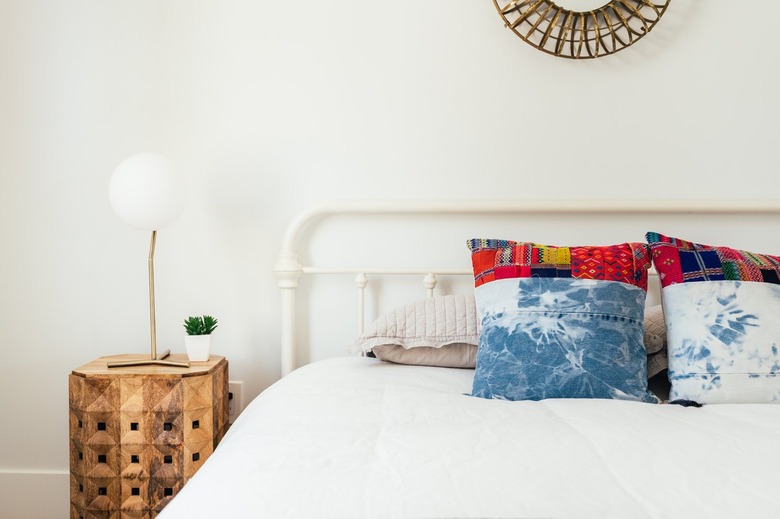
x=722 y=311
x=560 y=322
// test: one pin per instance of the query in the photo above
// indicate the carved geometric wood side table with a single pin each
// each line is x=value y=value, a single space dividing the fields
x=138 y=434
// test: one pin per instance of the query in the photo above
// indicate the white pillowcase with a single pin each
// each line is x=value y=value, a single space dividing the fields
x=436 y=331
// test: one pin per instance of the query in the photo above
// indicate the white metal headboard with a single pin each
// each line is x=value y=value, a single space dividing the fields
x=288 y=270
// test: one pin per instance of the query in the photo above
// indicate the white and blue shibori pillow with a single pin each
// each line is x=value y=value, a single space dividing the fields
x=722 y=311
x=560 y=322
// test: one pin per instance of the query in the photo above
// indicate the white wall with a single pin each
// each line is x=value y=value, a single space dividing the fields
x=270 y=106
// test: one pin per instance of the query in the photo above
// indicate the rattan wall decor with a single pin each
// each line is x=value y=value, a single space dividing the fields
x=581 y=34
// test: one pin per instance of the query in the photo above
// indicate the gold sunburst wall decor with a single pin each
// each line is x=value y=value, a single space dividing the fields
x=581 y=34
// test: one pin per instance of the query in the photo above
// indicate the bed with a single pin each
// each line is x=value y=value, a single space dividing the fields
x=361 y=436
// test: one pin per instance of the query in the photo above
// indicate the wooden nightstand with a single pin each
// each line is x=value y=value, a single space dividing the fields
x=138 y=434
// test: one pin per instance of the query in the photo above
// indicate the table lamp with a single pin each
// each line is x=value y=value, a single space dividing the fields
x=146 y=192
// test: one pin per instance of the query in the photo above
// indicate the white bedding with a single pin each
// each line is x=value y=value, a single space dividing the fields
x=356 y=437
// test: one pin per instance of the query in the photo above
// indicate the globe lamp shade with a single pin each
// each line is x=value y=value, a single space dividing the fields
x=146 y=192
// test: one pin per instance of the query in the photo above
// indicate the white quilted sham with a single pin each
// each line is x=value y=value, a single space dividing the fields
x=432 y=322
x=418 y=332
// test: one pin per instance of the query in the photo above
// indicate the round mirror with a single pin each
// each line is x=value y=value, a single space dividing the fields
x=581 y=28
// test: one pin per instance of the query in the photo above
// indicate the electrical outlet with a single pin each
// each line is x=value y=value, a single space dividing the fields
x=235 y=400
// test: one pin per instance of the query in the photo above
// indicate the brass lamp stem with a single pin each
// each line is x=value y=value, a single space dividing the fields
x=152 y=321
x=154 y=359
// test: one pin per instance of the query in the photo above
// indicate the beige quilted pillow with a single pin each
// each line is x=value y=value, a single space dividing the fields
x=436 y=331
x=655 y=340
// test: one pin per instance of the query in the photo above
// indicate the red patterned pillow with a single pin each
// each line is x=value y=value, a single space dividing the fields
x=501 y=259
x=560 y=322
x=721 y=307
x=682 y=261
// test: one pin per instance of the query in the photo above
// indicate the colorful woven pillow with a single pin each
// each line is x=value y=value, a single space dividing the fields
x=722 y=310
x=560 y=322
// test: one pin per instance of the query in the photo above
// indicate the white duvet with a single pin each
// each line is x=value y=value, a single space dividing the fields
x=356 y=437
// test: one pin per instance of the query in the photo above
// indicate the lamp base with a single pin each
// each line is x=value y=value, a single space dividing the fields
x=149 y=362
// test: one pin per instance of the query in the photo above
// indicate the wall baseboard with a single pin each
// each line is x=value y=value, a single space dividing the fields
x=34 y=495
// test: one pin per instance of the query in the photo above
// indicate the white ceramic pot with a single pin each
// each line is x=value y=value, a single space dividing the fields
x=198 y=347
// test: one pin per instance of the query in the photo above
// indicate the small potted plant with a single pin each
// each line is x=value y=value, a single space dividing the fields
x=198 y=339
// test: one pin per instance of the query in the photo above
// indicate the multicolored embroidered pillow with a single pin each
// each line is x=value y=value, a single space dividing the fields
x=722 y=310
x=560 y=322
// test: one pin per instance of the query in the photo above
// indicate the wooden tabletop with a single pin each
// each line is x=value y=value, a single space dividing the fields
x=99 y=366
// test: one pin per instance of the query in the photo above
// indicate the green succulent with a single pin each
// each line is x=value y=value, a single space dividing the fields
x=202 y=325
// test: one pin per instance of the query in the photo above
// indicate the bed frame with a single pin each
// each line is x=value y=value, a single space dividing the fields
x=288 y=269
